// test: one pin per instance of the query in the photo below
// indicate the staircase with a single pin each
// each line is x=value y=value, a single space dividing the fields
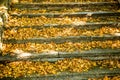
x=71 y=39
